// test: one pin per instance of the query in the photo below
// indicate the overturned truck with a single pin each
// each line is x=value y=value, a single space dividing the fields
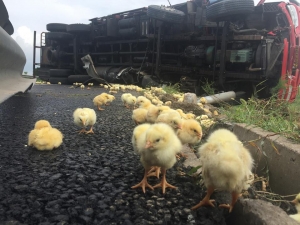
x=231 y=43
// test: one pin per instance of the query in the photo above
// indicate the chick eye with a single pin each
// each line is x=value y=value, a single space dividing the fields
x=157 y=140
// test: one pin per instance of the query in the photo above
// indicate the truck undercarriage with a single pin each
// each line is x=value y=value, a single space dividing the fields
x=230 y=43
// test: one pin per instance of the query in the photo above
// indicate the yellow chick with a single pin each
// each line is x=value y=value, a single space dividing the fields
x=110 y=98
x=168 y=103
x=190 y=116
x=152 y=114
x=100 y=100
x=128 y=100
x=138 y=131
x=82 y=86
x=226 y=165
x=182 y=114
x=191 y=132
x=172 y=118
x=159 y=147
x=296 y=201
x=139 y=116
x=44 y=136
x=143 y=102
x=84 y=117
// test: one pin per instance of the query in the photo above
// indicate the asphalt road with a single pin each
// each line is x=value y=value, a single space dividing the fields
x=88 y=179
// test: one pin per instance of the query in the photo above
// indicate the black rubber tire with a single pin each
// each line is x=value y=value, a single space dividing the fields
x=79 y=78
x=62 y=80
x=165 y=14
x=222 y=10
x=58 y=36
x=60 y=72
x=56 y=27
x=78 y=28
x=149 y=82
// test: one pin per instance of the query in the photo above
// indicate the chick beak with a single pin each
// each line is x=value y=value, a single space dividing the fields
x=294 y=201
x=199 y=136
x=179 y=127
x=83 y=122
x=148 y=144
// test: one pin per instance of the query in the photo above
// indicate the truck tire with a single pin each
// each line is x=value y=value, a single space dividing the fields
x=78 y=28
x=62 y=80
x=60 y=73
x=165 y=14
x=79 y=78
x=222 y=10
x=149 y=82
x=57 y=36
x=56 y=27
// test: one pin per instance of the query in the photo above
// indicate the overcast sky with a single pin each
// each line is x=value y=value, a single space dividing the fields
x=28 y=16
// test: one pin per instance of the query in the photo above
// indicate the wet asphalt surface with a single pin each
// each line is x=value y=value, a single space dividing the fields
x=88 y=179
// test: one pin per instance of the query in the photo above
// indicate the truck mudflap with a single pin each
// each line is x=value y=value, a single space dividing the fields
x=12 y=62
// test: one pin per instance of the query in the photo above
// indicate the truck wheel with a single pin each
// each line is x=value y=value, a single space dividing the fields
x=79 y=78
x=58 y=36
x=222 y=10
x=60 y=72
x=56 y=80
x=56 y=27
x=165 y=14
x=149 y=82
x=78 y=28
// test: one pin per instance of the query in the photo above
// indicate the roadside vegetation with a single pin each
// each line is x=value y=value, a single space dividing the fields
x=271 y=114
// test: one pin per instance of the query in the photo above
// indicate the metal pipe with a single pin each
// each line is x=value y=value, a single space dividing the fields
x=226 y=96
x=254 y=69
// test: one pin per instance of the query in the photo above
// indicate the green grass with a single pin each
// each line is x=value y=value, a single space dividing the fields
x=172 y=89
x=272 y=115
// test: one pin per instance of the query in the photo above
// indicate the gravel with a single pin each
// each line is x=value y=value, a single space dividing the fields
x=88 y=179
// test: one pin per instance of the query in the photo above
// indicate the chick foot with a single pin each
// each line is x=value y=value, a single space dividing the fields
x=82 y=131
x=164 y=184
x=99 y=108
x=144 y=183
x=234 y=198
x=180 y=155
x=206 y=200
x=90 y=131
x=154 y=172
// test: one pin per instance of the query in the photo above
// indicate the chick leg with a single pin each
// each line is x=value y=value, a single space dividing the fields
x=82 y=131
x=99 y=107
x=154 y=172
x=206 y=200
x=234 y=198
x=164 y=184
x=144 y=183
x=90 y=130
x=179 y=155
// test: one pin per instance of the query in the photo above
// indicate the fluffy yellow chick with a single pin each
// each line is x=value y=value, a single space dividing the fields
x=143 y=102
x=190 y=116
x=138 y=132
x=84 y=117
x=110 y=98
x=124 y=98
x=44 y=136
x=226 y=165
x=100 y=100
x=296 y=201
x=172 y=118
x=152 y=114
x=139 y=115
x=160 y=147
x=182 y=114
x=128 y=100
x=191 y=132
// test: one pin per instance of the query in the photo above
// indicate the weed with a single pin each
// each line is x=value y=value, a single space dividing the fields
x=172 y=89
